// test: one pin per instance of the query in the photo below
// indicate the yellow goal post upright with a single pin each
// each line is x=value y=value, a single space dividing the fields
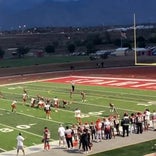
x=135 y=47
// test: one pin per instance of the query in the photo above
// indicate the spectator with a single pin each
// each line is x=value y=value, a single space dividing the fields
x=84 y=139
x=147 y=115
x=154 y=120
x=107 y=128
x=61 y=134
x=133 y=123
x=46 y=138
x=117 y=124
x=92 y=129
x=69 y=135
x=98 y=127
x=139 y=123
x=125 y=124
x=20 y=145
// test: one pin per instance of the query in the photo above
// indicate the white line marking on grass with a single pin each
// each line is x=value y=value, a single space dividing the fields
x=21 y=130
x=152 y=102
x=144 y=104
x=39 y=118
x=3 y=150
x=34 y=116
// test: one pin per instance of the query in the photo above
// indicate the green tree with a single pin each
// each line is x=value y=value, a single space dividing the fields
x=71 y=47
x=90 y=47
x=107 y=38
x=141 y=42
x=94 y=38
x=55 y=44
x=21 y=51
x=152 y=39
x=50 y=49
x=2 y=52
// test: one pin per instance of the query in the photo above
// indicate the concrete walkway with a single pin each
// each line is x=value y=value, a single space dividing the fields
x=105 y=145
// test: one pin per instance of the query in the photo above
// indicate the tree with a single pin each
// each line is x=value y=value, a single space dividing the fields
x=50 y=49
x=141 y=42
x=2 y=52
x=21 y=51
x=90 y=47
x=107 y=37
x=94 y=38
x=71 y=47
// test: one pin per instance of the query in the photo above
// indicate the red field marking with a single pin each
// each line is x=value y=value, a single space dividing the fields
x=147 y=84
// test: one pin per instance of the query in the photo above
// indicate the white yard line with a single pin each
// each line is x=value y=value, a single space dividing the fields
x=32 y=116
x=21 y=130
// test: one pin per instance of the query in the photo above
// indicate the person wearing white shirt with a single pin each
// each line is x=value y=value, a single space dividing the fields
x=153 y=116
x=147 y=115
x=61 y=134
x=78 y=115
x=20 y=145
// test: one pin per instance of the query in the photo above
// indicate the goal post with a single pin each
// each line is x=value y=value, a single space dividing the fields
x=142 y=60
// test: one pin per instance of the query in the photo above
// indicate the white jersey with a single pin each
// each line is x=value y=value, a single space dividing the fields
x=32 y=100
x=154 y=116
x=20 y=140
x=61 y=131
x=147 y=115
x=41 y=102
x=47 y=107
x=55 y=101
x=77 y=113
x=24 y=96
x=14 y=102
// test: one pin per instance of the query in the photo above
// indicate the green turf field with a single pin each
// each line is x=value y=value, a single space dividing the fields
x=31 y=121
x=28 y=61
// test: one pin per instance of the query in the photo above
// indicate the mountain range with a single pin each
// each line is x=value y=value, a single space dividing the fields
x=43 y=13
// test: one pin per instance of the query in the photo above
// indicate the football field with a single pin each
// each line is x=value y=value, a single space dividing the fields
x=127 y=94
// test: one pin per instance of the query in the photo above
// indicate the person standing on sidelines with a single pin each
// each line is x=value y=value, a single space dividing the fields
x=46 y=138
x=153 y=116
x=147 y=115
x=61 y=134
x=139 y=123
x=20 y=145
x=98 y=126
x=69 y=135
x=125 y=122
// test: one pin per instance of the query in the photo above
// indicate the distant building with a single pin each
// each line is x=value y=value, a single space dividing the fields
x=122 y=52
x=143 y=51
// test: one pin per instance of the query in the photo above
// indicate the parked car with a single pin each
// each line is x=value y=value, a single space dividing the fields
x=154 y=52
x=93 y=56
